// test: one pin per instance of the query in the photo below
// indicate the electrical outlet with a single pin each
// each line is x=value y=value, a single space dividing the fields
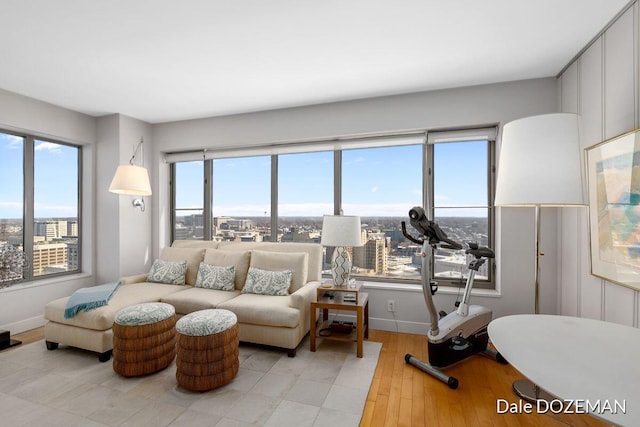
x=391 y=305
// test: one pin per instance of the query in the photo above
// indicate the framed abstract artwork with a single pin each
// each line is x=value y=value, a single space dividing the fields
x=613 y=179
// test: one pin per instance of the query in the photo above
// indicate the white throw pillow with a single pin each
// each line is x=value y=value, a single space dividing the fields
x=216 y=277
x=265 y=282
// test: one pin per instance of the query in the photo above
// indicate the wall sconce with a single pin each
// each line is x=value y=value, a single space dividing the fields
x=132 y=180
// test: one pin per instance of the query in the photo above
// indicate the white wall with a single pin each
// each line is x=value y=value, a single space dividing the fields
x=124 y=231
x=602 y=86
x=21 y=306
x=460 y=107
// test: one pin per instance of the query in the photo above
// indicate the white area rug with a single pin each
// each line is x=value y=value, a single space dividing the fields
x=69 y=387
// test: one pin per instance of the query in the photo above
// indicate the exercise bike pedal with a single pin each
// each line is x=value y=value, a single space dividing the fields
x=442 y=313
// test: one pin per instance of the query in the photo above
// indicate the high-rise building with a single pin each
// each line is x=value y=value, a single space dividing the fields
x=52 y=229
x=373 y=254
x=48 y=256
x=73 y=257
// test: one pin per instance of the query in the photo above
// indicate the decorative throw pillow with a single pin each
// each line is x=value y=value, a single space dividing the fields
x=265 y=282
x=297 y=262
x=169 y=272
x=216 y=277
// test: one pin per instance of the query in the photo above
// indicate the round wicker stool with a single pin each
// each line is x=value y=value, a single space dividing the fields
x=144 y=338
x=207 y=349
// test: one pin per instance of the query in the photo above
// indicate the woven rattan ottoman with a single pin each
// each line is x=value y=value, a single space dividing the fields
x=207 y=349
x=144 y=338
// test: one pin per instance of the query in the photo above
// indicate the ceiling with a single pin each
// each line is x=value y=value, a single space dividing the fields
x=167 y=60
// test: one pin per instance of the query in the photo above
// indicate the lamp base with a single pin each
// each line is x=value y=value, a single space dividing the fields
x=530 y=392
x=341 y=267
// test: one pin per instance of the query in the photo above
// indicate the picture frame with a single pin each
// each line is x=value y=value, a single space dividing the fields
x=613 y=182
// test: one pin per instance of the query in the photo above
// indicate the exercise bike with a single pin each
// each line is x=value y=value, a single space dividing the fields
x=462 y=333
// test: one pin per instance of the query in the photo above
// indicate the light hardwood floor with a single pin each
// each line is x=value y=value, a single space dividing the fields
x=401 y=395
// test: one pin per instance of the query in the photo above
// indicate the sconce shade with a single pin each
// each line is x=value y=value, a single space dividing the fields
x=131 y=180
x=541 y=162
x=341 y=230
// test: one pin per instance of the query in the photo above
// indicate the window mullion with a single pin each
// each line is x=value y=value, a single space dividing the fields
x=28 y=225
x=208 y=197
x=337 y=182
x=274 y=198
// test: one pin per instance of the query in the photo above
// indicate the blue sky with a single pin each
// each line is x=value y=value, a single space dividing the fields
x=55 y=179
x=376 y=182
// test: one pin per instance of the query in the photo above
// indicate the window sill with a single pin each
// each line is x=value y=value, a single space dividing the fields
x=446 y=290
x=45 y=282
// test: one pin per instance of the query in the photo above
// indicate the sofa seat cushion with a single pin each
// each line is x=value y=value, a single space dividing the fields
x=101 y=318
x=265 y=310
x=194 y=299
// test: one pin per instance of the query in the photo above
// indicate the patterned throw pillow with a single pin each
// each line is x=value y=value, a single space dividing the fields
x=216 y=277
x=169 y=272
x=265 y=282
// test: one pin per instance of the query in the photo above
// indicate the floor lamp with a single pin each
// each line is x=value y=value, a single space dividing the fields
x=540 y=165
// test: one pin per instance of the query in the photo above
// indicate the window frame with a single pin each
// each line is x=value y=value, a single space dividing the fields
x=429 y=159
x=28 y=211
x=337 y=146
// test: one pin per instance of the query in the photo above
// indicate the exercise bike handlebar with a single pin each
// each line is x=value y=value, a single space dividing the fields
x=428 y=229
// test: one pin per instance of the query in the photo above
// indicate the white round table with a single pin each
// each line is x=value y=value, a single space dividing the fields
x=587 y=361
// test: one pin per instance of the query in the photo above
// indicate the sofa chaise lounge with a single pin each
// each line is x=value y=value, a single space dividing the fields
x=275 y=320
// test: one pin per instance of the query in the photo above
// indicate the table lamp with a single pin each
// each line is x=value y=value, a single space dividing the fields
x=540 y=165
x=341 y=231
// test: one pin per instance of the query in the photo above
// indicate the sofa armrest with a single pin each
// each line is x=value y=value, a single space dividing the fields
x=138 y=278
x=301 y=298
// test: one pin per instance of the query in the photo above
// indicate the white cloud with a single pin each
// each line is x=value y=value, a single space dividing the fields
x=48 y=146
x=374 y=189
x=14 y=144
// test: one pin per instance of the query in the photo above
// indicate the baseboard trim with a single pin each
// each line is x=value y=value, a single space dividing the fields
x=24 y=325
x=390 y=325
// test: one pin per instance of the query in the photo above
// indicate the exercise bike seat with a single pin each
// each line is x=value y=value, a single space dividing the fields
x=479 y=251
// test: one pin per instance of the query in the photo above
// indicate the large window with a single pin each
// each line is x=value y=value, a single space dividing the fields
x=379 y=180
x=461 y=204
x=40 y=204
x=189 y=211
x=381 y=185
x=241 y=203
x=303 y=194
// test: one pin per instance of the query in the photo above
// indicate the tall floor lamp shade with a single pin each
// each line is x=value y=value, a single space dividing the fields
x=540 y=165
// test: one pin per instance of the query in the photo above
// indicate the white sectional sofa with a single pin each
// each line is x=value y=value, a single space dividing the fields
x=280 y=321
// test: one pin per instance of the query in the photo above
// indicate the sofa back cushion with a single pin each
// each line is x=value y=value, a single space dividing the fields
x=314 y=271
x=297 y=262
x=193 y=256
x=198 y=244
x=222 y=258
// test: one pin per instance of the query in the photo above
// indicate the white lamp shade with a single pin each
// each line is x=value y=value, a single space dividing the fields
x=132 y=180
x=541 y=162
x=341 y=230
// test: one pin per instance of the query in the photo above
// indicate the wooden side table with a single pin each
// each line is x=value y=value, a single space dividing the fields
x=361 y=307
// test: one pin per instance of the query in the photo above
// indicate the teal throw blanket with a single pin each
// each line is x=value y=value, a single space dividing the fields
x=89 y=298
